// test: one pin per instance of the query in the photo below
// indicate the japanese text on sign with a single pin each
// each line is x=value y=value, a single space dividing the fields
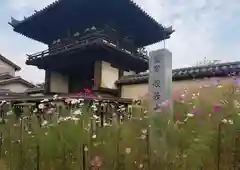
x=160 y=76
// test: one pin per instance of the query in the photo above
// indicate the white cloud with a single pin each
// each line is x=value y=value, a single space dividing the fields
x=19 y=5
x=198 y=24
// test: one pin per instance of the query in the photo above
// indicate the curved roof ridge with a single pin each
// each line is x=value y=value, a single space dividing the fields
x=37 y=12
x=142 y=10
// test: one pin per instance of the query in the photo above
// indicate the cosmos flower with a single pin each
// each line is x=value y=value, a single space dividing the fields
x=87 y=91
x=195 y=111
x=41 y=106
x=128 y=150
x=216 y=108
x=237 y=82
x=190 y=115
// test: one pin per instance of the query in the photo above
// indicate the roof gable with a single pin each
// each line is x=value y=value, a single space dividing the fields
x=17 y=80
x=7 y=61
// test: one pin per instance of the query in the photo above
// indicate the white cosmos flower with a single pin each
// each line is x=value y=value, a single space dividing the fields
x=128 y=150
x=230 y=122
x=190 y=115
x=144 y=131
x=55 y=97
x=75 y=118
x=95 y=117
x=41 y=106
x=224 y=121
x=68 y=118
x=74 y=101
x=236 y=104
x=80 y=100
x=77 y=112
x=44 y=100
x=85 y=148
x=9 y=113
x=44 y=123
x=141 y=166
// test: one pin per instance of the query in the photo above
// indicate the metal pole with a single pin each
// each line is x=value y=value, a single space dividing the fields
x=164 y=41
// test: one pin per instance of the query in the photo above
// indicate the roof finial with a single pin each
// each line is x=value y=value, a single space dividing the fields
x=14 y=22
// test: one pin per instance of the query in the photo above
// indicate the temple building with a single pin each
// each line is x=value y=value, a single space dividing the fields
x=99 y=45
x=91 y=44
x=10 y=84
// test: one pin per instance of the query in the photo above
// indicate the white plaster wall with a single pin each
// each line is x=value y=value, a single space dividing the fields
x=58 y=83
x=139 y=91
x=135 y=91
x=15 y=87
x=128 y=73
x=4 y=67
x=109 y=76
x=37 y=94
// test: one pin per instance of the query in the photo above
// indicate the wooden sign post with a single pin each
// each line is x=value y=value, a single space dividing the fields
x=160 y=78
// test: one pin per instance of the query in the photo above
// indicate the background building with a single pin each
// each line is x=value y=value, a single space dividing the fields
x=9 y=83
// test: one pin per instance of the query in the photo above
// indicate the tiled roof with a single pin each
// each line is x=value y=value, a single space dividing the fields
x=222 y=69
x=73 y=9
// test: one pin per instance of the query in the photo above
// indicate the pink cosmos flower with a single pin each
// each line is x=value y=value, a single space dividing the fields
x=237 y=81
x=216 y=108
x=87 y=91
x=195 y=111
x=80 y=94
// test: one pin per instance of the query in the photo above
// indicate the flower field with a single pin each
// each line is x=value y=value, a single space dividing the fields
x=201 y=132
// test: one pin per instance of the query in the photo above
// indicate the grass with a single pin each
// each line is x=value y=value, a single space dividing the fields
x=200 y=133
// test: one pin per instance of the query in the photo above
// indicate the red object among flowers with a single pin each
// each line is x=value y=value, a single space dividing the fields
x=177 y=116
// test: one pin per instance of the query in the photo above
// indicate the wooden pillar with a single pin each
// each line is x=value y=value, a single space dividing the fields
x=47 y=84
x=119 y=88
x=97 y=75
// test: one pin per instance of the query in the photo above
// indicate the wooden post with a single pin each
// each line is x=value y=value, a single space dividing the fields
x=219 y=145
x=83 y=157
x=1 y=142
x=21 y=144
x=38 y=157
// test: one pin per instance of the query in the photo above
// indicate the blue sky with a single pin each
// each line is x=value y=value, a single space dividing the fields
x=204 y=28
